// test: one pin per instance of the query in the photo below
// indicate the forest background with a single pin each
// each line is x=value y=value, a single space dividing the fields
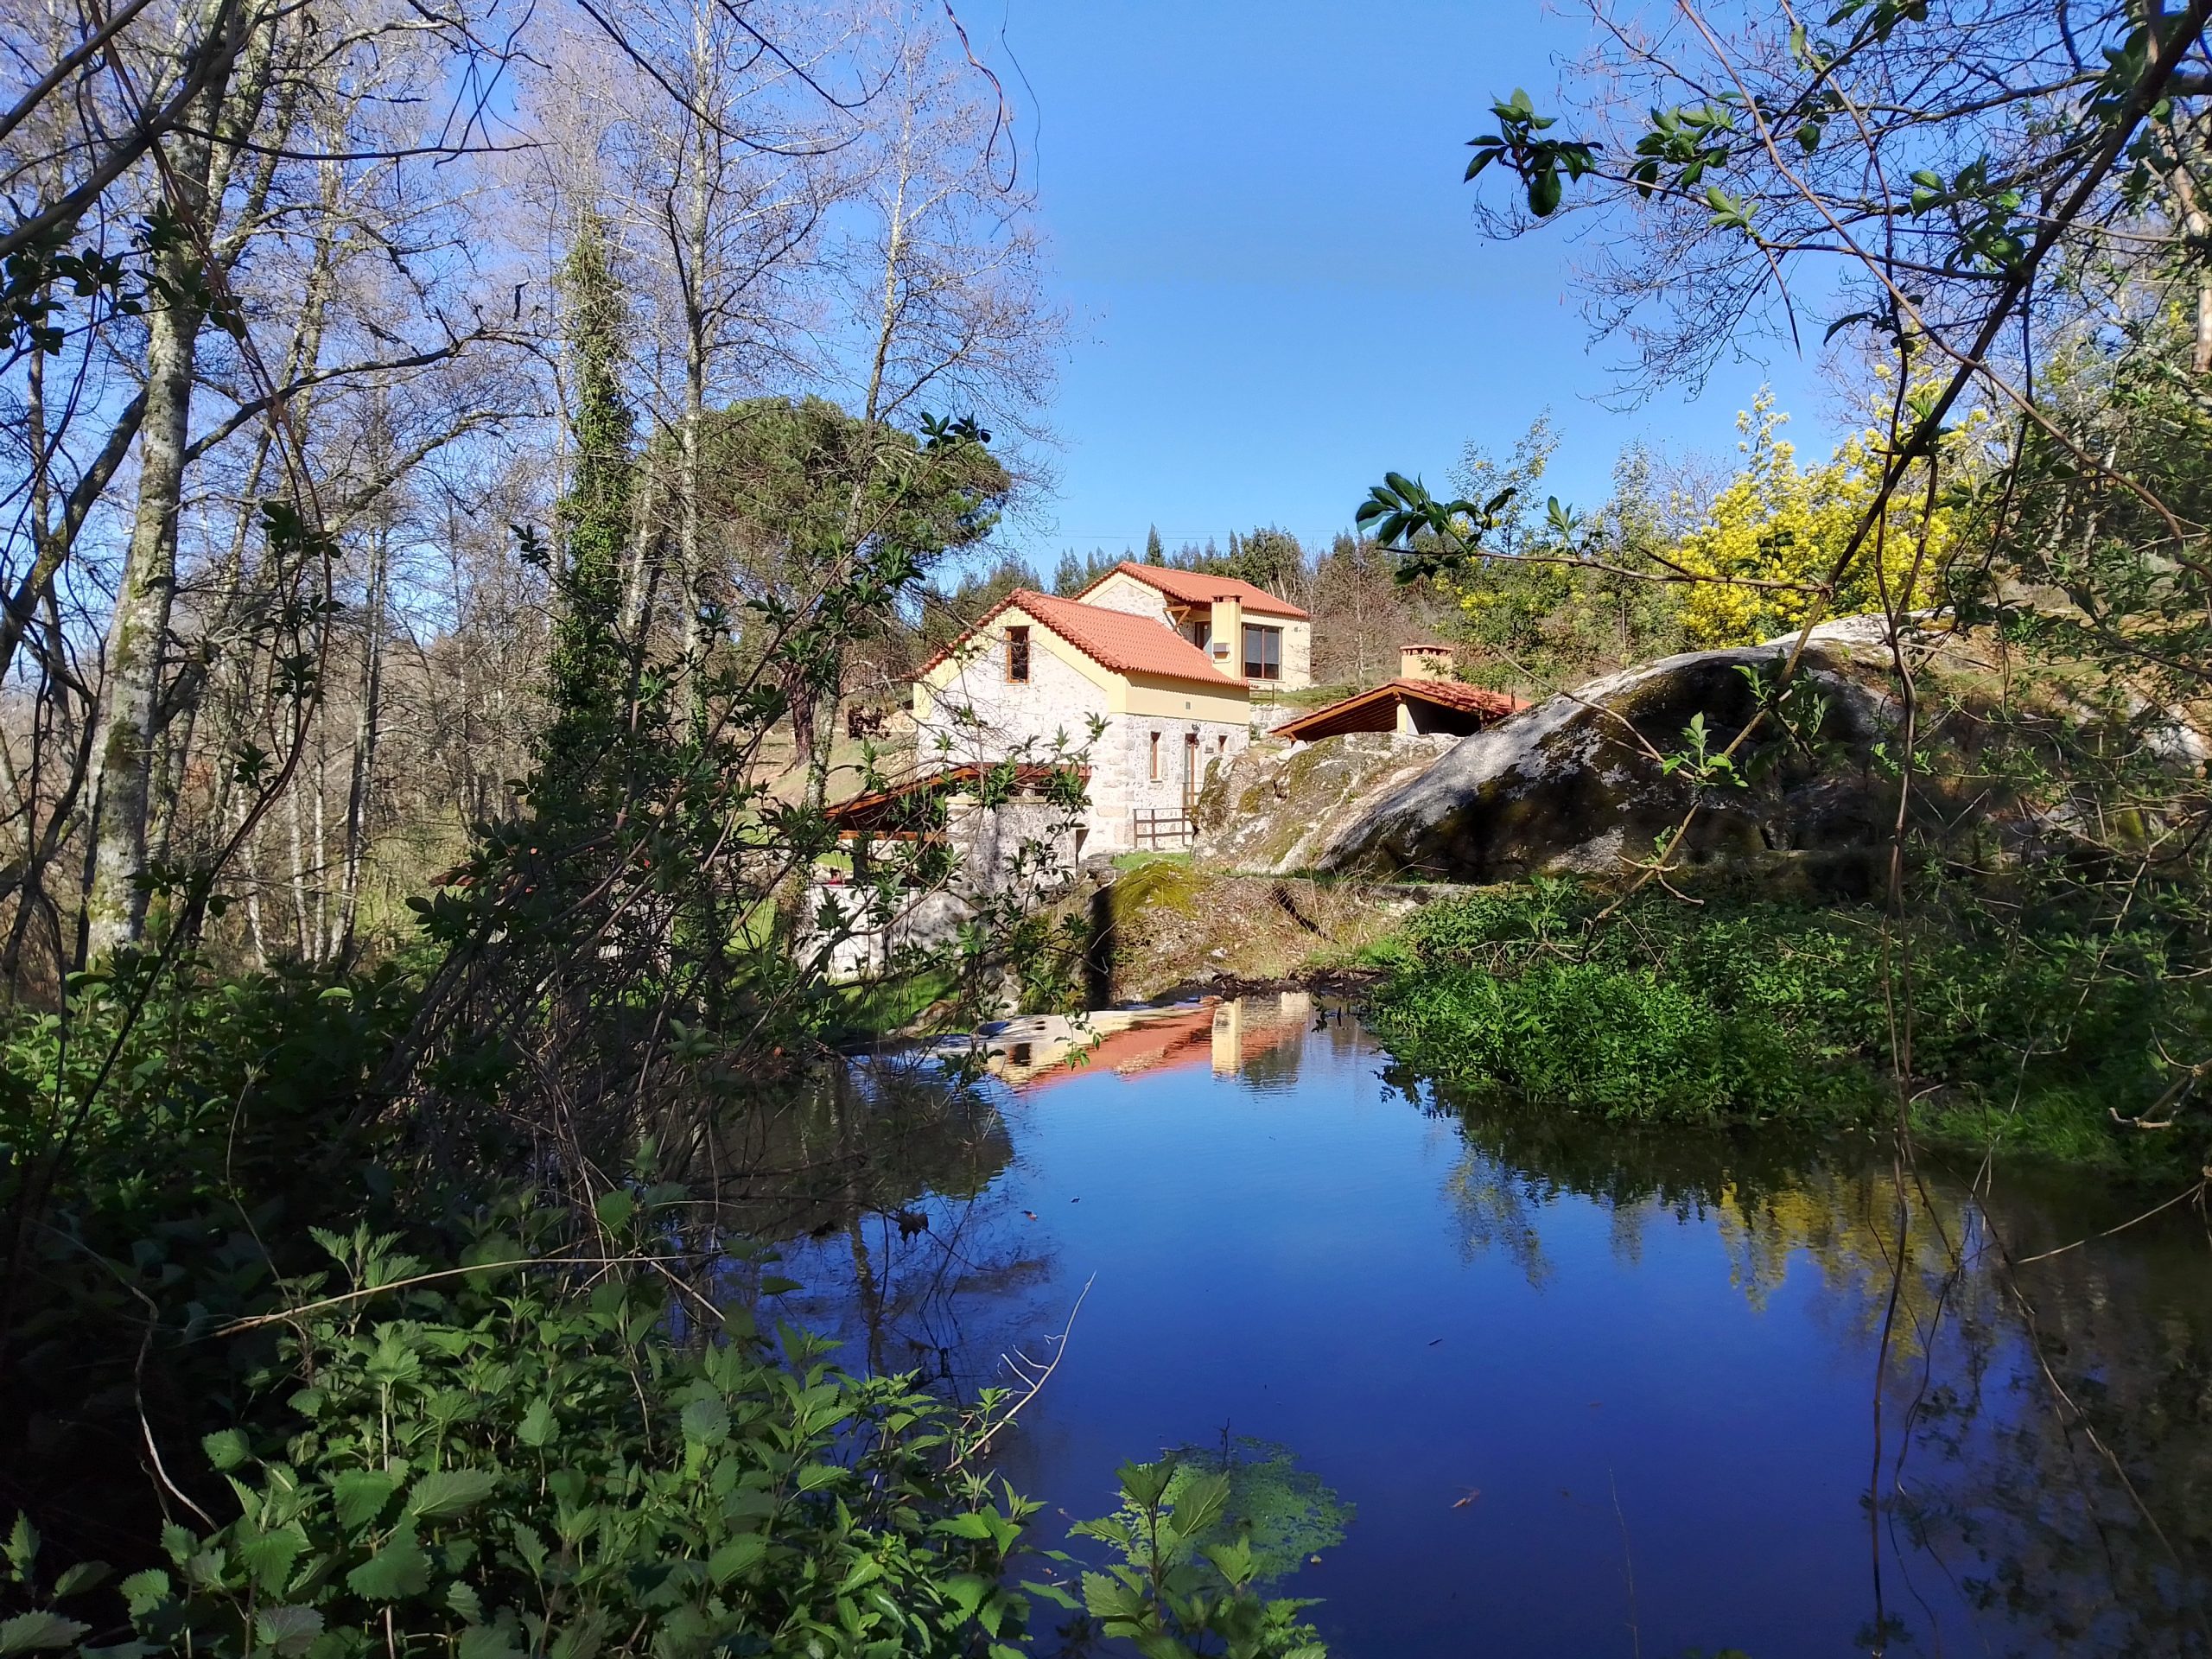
x=465 y=467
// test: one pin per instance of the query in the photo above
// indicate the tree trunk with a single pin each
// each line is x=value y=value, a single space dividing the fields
x=367 y=727
x=116 y=906
x=116 y=897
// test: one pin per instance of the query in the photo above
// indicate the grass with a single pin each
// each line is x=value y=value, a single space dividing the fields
x=878 y=1008
x=1127 y=862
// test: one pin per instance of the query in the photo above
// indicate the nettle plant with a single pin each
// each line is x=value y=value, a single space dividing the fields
x=532 y=1458
x=567 y=1456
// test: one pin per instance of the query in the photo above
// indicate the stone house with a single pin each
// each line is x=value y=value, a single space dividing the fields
x=1035 y=677
x=1246 y=632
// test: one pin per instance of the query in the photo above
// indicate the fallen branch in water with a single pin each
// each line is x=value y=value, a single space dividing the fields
x=1033 y=1377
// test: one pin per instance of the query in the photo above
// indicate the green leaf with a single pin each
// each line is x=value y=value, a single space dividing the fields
x=1200 y=1503
x=23 y=1545
x=400 y=1568
x=143 y=1591
x=488 y=1642
x=78 y=1578
x=739 y=1555
x=816 y=1476
x=966 y=1525
x=614 y=1210
x=536 y=1426
x=1146 y=1483
x=226 y=1448
x=269 y=1556
x=706 y=1421
x=968 y=1591
x=289 y=1630
x=449 y=1491
x=29 y=1632
x=580 y=1640
x=359 y=1496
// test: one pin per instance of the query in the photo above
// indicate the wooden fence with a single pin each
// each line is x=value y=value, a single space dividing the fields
x=1158 y=829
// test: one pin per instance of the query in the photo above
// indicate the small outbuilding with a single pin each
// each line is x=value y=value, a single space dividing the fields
x=1423 y=698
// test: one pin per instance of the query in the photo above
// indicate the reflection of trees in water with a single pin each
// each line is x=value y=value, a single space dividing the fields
x=1491 y=1205
x=2020 y=1405
x=2100 y=1368
x=855 y=1140
x=872 y=1190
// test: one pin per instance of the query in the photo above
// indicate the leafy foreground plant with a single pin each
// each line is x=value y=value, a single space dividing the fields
x=530 y=1456
x=1200 y=1532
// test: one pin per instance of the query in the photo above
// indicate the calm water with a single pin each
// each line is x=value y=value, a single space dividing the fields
x=1589 y=1394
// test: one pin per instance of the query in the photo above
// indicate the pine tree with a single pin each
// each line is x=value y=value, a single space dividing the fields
x=1154 y=553
x=1071 y=576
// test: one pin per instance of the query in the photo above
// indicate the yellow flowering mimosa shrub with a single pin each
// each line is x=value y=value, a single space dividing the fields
x=1776 y=521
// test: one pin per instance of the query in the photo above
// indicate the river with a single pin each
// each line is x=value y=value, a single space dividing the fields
x=1586 y=1391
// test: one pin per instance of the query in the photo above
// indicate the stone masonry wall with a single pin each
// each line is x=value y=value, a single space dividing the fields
x=1126 y=594
x=1058 y=700
x=1117 y=791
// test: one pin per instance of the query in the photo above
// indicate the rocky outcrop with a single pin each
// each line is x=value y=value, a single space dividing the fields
x=1277 y=806
x=1579 y=784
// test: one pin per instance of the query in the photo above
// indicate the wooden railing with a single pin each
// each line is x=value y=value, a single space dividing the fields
x=1158 y=829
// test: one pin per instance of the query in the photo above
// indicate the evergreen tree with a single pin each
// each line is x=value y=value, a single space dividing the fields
x=1154 y=553
x=592 y=520
x=1071 y=576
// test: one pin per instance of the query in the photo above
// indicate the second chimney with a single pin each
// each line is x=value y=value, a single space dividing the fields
x=1425 y=663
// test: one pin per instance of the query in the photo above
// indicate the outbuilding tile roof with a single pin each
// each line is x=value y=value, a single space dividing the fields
x=1190 y=588
x=1363 y=711
x=1114 y=639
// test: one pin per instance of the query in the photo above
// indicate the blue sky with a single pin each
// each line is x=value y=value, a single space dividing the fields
x=1277 y=293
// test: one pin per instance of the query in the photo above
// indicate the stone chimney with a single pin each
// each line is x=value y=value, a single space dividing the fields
x=1425 y=663
x=1227 y=634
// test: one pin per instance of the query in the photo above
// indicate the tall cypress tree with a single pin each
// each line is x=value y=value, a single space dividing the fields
x=593 y=516
x=1154 y=553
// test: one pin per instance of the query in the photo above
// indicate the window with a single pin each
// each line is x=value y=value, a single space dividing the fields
x=1156 y=757
x=1263 y=652
x=1017 y=656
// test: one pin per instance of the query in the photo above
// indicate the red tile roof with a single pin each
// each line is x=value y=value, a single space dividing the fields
x=1346 y=715
x=871 y=814
x=1190 y=588
x=1114 y=639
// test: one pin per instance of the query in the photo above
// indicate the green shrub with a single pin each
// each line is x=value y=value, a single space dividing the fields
x=2024 y=1028
x=1598 y=1039
x=525 y=1455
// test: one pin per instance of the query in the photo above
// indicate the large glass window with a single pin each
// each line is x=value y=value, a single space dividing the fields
x=1263 y=652
x=1017 y=655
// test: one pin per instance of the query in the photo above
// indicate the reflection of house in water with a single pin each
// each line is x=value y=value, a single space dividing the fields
x=1246 y=1033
